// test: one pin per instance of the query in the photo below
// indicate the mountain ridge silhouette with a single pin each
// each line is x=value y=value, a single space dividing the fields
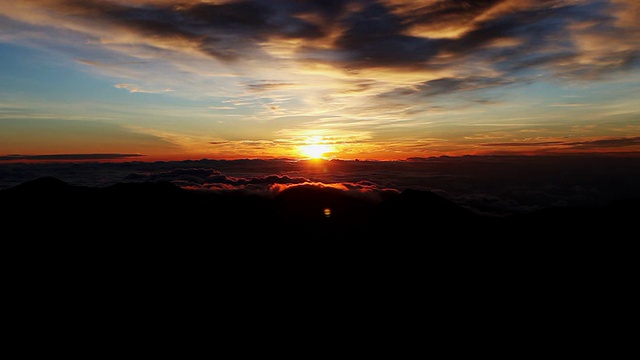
x=161 y=228
x=156 y=208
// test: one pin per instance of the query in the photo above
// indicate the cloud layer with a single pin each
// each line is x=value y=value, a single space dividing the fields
x=452 y=45
x=491 y=184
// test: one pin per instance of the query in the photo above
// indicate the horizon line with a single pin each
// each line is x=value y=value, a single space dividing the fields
x=106 y=157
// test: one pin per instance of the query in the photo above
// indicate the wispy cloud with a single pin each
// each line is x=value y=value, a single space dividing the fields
x=137 y=89
x=597 y=144
x=221 y=108
x=525 y=144
x=68 y=157
x=114 y=64
x=265 y=85
x=607 y=143
x=569 y=105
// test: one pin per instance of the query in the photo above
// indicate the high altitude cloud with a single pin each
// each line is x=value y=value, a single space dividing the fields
x=576 y=38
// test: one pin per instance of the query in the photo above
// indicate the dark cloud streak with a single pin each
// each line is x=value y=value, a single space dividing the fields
x=606 y=143
x=453 y=13
x=374 y=37
x=68 y=157
x=580 y=145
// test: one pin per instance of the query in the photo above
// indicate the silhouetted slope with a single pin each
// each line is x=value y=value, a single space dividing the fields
x=42 y=185
x=126 y=236
x=42 y=205
x=146 y=210
x=614 y=221
x=415 y=210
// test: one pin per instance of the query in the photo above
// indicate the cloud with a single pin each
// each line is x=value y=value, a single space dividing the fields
x=599 y=144
x=223 y=30
x=447 y=85
x=264 y=85
x=355 y=34
x=606 y=143
x=489 y=184
x=366 y=191
x=440 y=19
x=374 y=37
x=68 y=157
x=525 y=144
x=206 y=178
x=103 y=64
x=137 y=89
x=266 y=185
x=188 y=175
x=569 y=105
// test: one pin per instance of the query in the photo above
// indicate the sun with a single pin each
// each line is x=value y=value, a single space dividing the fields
x=315 y=151
x=315 y=147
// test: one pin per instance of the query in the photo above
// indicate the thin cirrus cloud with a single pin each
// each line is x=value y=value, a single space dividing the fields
x=132 y=88
x=68 y=157
x=607 y=143
x=600 y=144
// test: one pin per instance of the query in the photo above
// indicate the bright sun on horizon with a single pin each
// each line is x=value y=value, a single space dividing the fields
x=315 y=151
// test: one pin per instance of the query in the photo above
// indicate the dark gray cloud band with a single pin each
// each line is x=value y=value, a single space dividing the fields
x=600 y=144
x=510 y=34
x=68 y=157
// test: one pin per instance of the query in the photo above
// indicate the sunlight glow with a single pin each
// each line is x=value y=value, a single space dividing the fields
x=314 y=151
x=314 y=148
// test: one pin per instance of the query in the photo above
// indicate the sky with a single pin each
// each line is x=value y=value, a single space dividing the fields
x=116 y=80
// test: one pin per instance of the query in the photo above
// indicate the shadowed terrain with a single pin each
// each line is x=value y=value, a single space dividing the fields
x=144 y=211
x=130 y=237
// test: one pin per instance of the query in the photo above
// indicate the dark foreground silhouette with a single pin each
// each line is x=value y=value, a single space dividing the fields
x=160 y=242
x=48 y=208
